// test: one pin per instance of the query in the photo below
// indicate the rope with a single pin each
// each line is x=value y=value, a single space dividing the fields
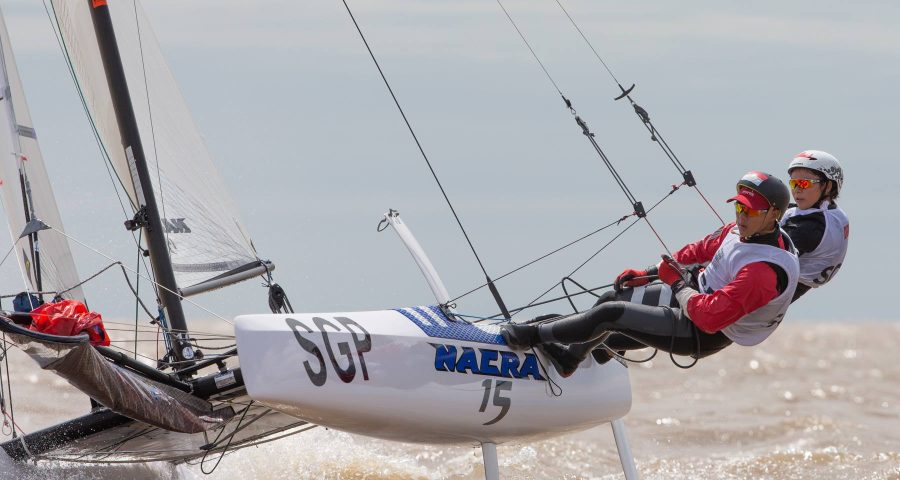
x=4 y=373
x=12 y=411
x=227 y=444
x=532 y=305
x=562 y=283
x=278 y=299
x=672 y=345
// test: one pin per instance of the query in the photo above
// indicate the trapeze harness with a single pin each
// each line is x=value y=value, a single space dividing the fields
x=821 y=237
x=665 y=326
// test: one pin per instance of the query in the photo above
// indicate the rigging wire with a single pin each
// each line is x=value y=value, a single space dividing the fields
x=534 y=303
x=137 y=295
x=14 y=241
x=13 y=247
x=573 y=242
x=642 y=114
x=490 y=282
x=636 y=205
x=158 y=285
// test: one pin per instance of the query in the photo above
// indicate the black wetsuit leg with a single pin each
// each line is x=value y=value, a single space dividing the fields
x=618 y=342
x=653 y=294
x=664 y=328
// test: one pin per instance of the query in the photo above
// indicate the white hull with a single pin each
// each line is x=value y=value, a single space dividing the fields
x=412 y=375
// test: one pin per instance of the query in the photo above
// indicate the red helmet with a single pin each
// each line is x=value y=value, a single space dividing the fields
x=769 y=187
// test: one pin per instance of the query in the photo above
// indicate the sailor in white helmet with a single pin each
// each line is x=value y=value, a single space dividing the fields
x=750 y=275
x=817 y=226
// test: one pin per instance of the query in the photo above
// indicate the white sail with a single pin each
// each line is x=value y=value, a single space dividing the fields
x=26 y=189
x=206 y=238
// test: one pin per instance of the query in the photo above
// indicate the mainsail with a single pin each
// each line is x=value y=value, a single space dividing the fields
x=205 y=237
x=44 y=256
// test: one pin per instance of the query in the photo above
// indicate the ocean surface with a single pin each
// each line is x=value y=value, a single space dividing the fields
x=815 y=401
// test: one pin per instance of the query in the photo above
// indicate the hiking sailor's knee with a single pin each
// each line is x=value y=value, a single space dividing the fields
x=607 y=311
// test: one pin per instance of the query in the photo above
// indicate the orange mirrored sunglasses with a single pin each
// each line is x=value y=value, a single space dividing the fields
x=750 y=212
x=802 y=183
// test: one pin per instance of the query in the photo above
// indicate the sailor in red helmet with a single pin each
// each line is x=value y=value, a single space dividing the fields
x=818 y=227
x=750 y=275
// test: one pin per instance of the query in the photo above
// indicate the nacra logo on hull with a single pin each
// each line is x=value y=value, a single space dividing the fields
x=484 y=361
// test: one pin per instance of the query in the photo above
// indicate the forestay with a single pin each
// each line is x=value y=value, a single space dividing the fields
x=204 y=233
x=26 y=188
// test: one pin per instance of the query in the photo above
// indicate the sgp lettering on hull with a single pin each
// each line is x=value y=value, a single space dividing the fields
x=318 y=374
x=485 y=361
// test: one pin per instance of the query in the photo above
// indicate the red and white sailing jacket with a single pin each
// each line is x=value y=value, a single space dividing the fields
x=741 y=293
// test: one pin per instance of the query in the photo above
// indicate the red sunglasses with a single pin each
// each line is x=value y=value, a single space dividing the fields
x=750 y=212
x=802 y=183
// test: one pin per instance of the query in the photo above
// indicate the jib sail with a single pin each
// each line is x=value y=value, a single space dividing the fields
x=205 y=236
x=44 y=256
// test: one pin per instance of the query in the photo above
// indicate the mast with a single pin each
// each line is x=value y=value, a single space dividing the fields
x=34 y=244
x=147 y=216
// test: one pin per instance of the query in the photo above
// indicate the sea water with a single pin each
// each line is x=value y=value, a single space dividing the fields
x=815 y=401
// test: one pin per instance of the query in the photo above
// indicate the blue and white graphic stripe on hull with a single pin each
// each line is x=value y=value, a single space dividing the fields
x=434 y=323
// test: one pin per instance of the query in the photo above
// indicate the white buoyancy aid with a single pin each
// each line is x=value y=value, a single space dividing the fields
x=819 y=266
x=729 y=259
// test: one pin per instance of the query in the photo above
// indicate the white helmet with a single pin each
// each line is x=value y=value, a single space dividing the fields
x=822 y=162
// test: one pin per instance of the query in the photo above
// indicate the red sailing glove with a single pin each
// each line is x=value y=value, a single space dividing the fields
x=669 y=271
x=634 y=278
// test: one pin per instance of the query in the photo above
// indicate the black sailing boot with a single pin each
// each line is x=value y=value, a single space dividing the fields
x=519 y=336
x=562 y=359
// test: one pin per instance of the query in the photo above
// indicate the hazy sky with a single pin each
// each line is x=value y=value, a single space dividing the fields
x=314 y=151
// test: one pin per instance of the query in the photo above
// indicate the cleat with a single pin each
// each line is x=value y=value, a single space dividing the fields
x=562 y=359
x=519 y=337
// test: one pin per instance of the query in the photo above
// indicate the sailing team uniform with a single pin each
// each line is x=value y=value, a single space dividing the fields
x=745 y=290
x=821 y=236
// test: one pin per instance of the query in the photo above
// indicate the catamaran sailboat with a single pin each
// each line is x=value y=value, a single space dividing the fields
x=414 y=374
